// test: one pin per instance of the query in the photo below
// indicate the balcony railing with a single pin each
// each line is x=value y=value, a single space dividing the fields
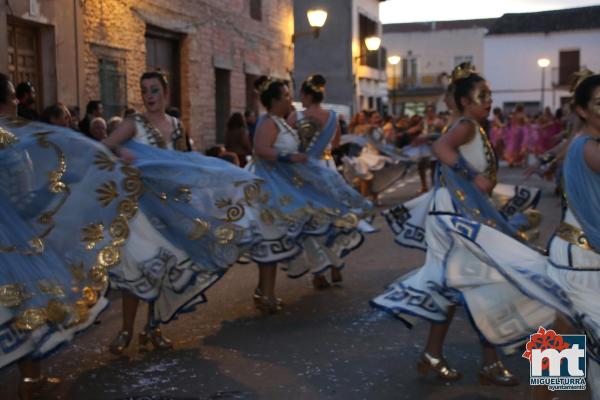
x=424 y=81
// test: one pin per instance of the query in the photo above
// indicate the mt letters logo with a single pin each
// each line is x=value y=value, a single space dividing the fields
x=556 y=361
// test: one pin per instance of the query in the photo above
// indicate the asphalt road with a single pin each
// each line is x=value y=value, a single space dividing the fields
x=325 y=345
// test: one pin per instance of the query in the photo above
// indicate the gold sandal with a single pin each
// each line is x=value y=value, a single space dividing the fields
x=120 y=343
x=437 y=365
x=154 y=336
x=497 y=374
x=29 y=386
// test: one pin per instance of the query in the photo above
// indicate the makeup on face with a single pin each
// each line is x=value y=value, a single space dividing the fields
x=482 y=96
x=595 y=103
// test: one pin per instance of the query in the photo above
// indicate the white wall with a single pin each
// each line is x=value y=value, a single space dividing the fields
x=510 y=63
x=435 y=50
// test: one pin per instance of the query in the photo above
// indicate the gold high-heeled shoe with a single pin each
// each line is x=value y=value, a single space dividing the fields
x=155 y=337
x=120 y=343
x=437 y=365
x=258 y=295
x=497 y=374
x=29 y=386
x=266 y=305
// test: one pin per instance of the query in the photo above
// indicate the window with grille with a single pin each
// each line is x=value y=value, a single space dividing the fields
x=256 y=9
x=113 y=87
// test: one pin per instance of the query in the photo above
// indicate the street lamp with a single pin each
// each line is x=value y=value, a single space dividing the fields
x=543 y=63
x=316 y=19
x=394 y=60
x=373 y=43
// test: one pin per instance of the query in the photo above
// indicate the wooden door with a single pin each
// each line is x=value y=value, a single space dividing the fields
x=162 y=52
x=222 y=101
x=24 y=56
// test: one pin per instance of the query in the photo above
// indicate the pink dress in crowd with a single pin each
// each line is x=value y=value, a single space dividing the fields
x=516 y=143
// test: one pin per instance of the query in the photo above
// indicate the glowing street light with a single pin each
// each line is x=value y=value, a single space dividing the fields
x=394 y=60
x=543 y=63
x=316 y=18
x=373 y=43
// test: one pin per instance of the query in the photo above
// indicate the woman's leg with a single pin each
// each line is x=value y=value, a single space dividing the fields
x=422 y=168
x=433 y=358
x=130 y=306
x=129 y=310
x=437 y=335
x=267 y=276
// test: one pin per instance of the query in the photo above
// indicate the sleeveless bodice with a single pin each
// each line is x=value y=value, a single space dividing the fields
x=146 y=133
x=287 y=139
x=479 y=152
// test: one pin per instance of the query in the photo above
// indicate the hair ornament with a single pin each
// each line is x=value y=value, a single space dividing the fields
x=265 y=85
x=579 y=77
x=313 y=86
x=463 y=71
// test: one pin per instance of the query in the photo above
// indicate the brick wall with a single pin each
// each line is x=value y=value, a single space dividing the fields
x=213 y=32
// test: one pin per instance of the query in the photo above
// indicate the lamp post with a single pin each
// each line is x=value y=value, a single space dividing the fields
x=372 y=43
x=316 y=19
x=394 y=60
x=543 y=63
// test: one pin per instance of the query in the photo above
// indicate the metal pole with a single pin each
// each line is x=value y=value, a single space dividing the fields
x=543 y=88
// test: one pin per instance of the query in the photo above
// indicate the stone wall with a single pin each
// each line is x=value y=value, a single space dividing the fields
x=212 y=33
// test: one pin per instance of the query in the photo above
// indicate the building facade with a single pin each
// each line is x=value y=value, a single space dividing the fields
x=355 y=76
x=42 y=42
x=569 y=38
x=428 y=52
x=211 y=50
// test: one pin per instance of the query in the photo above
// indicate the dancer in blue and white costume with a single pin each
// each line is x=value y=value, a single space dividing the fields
x=54 y=261
x=317 y=128
x=319 y=132
x=199 y=215
x=464 y=151
x=320 y=211
x=568 y=280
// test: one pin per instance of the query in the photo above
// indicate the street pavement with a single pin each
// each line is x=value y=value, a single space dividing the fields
x=326 y=344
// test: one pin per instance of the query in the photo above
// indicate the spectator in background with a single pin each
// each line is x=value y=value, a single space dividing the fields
x=57 y=114
x=112 y=124
x=26 y=96
x=343 y=124
x=94 y=109
x=74 y=111
x=220 y=152
x=129 y=112
x=237 y=139
x=98 y=129
x=250 y=118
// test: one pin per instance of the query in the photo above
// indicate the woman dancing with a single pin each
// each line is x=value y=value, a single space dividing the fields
x=464 y=151
x=321 y=212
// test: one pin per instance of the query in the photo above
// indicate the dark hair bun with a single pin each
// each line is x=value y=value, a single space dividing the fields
x=318 y=80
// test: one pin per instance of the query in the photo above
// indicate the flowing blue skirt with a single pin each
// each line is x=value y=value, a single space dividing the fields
x=312 y=215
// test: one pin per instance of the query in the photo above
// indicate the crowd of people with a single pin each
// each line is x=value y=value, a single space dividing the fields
x=172 y=221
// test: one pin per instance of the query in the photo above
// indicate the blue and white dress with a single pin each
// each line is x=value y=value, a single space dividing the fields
x=568 y=280
x=197 y=216
x=423 y=292
x=58 y=235
x=312 y=213
x=316 y=140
